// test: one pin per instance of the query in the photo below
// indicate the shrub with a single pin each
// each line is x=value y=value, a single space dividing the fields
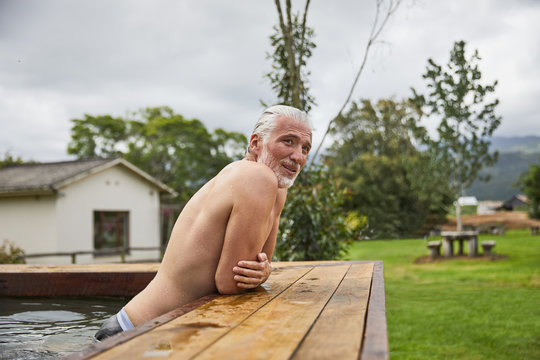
x=314 y=225
x=11 y=254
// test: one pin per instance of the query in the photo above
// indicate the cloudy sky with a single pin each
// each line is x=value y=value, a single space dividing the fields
x=206 y=59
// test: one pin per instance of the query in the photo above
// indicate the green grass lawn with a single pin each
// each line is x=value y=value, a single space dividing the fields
x=460 y=308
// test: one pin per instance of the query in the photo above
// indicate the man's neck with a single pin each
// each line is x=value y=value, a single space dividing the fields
x=250 y=157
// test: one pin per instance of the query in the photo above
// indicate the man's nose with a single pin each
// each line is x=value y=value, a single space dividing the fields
x=298 y=156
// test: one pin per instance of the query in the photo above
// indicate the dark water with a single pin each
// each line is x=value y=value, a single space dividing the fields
x=51 y=328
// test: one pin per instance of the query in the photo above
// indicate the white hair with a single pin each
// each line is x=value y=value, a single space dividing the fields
x=267 y=121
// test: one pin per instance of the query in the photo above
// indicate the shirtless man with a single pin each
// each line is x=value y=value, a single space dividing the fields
x=225 y=236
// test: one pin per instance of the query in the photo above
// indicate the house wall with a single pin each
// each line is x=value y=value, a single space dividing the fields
x=114 y=189
x=29 y=222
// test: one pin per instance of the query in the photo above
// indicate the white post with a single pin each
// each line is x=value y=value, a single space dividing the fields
x=458 y=216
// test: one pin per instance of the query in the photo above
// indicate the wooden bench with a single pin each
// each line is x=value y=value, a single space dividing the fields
x=434 y=249
x=307 y=310
x=487 y=246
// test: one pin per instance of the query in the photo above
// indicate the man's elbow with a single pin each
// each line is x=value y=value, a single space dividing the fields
x=227 y=287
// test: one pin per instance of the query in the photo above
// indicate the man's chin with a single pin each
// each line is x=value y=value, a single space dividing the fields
x=285 y=182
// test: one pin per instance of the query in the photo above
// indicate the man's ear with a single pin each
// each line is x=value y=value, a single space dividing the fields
x=255 y=145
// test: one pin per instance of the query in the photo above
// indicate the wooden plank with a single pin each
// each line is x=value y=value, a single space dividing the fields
x=74 y=283
x=294 y=264
x=282 y=264
x=275 y=330
x=338 y=332
x=98 y=348
x=75 y=280
x=18 y=268
x=191 y=333
x=375 y=344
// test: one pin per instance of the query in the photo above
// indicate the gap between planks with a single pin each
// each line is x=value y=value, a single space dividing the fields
x=277 y=329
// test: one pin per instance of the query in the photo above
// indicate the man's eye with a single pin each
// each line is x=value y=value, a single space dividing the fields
x=288 y=141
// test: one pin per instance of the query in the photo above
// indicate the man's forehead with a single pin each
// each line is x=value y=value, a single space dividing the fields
x=286 y=125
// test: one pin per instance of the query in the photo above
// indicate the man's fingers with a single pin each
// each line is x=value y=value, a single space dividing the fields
x=246 y=286
x=247 y=280
x=247 y=272
x=252 y=264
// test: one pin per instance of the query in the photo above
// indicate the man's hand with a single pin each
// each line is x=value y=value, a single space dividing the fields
x=250 y=274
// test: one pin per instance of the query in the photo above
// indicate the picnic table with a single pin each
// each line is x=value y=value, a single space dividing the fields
x=306 y=310
x=471 y=237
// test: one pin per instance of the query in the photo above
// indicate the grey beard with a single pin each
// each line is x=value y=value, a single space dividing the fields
x=272 y=163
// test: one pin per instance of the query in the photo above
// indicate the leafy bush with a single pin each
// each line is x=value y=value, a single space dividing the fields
x=530 y=184
x=11 y=254
x=314 y=225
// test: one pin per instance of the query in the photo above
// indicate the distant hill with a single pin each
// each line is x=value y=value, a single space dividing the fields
x=516 y=154
x=523 y=144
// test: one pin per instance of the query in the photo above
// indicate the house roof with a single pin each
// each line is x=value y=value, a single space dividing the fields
x=47 y=178
x=514 y=201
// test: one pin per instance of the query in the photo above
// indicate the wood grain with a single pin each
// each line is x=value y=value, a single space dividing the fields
x=19 y=268
x=275 y=330
x=74 y=283
x=375 y=344
x=97 y=348
x=191 y=333
x=338 y=332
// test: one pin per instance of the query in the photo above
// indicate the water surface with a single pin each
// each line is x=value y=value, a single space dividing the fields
x=51 y=327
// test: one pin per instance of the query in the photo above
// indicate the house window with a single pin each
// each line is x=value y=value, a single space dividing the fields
x=111 y=231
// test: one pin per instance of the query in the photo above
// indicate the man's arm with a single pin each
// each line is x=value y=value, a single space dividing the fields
x=250 y=274
x=254 y=198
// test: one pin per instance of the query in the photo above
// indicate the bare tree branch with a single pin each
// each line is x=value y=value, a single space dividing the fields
x=375 y=32
x=303 y=38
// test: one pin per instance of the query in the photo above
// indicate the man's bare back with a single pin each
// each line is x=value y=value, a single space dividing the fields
x=226 y=234
x=244 y=192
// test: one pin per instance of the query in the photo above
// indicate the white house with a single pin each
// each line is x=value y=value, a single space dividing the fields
x=86 y=205
x=468 y=201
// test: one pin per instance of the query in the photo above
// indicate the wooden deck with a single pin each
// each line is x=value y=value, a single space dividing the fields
x=314 y=310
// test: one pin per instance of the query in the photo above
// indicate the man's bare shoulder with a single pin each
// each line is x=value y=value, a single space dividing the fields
x=245 y=170
x=245 y=175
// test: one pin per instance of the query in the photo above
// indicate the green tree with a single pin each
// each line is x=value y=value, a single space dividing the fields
x=467 y=116
x=9 y=159
x=99 y=136
x=530 y=185
x=180 y=152
x=376 y=154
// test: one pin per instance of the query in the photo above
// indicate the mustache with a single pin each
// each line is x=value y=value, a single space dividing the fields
x=291 y=164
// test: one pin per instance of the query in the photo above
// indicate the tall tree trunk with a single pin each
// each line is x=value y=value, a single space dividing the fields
x=293 y=67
